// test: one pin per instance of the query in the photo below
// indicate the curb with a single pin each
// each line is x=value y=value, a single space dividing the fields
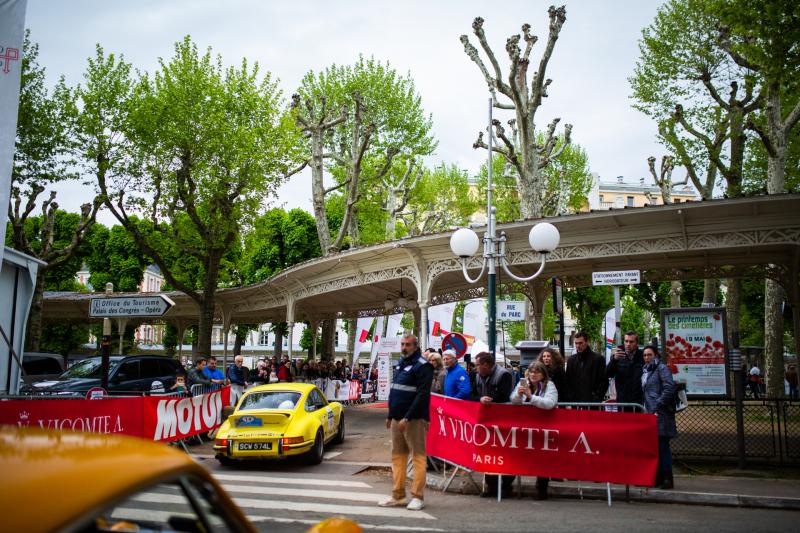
x=637 y=494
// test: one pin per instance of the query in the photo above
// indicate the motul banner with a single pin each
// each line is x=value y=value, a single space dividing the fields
x=157 y=418
x=168 y=419
x=563 y=443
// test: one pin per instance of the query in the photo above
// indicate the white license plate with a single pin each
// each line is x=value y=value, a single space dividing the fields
x=254 y=446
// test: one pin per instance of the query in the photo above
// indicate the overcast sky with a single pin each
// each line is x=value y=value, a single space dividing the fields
x=593 y=58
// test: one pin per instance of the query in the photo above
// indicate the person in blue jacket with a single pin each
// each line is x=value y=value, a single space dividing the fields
x=456 y=381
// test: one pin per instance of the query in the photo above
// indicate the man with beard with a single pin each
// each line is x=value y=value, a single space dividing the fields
x=408 y=419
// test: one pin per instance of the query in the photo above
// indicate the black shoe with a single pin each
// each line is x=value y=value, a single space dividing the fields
x=659 y=479
x=539 y=495
x=488 y=494
x=668 y=483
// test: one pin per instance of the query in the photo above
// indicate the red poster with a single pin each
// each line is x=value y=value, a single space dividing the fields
x=109 y=415
x=168 y=419
x=564 y=443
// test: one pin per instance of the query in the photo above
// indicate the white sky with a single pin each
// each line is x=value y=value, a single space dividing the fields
x=593 y=58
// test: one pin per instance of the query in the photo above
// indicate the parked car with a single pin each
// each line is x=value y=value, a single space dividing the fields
x=40 y=366
x=96 y=482
x=133 y=373
x=280 y=420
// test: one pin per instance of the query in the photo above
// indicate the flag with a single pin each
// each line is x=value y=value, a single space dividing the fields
x=364 y=335
x=12 y=31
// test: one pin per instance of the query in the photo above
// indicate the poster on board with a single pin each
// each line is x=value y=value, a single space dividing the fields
x=694 y=341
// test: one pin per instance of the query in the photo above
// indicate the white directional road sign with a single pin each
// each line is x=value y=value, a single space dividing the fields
x=616 y=277
x=126 y=306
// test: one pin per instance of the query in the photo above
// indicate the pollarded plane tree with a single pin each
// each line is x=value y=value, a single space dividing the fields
x=521 y=149
x=526 y=155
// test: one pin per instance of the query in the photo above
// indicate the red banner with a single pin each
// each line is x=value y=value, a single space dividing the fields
x=168 y=419
x=151 y=417
x=564 y=443
x=108 y=415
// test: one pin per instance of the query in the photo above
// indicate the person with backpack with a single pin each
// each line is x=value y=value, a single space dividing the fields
x=658 y=390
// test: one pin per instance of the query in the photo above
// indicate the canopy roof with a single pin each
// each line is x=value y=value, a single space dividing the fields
x=716 y=238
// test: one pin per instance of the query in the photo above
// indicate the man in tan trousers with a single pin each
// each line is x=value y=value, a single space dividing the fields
x=408 y=419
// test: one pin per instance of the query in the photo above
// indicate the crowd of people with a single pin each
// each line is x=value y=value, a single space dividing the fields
x=637 y=376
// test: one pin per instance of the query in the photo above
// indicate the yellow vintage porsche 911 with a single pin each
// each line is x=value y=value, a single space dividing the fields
x=280 y=420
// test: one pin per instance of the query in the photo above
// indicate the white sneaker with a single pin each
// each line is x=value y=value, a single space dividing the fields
x=391 y=502
x=415 y=504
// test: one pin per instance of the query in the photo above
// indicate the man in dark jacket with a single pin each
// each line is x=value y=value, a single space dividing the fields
x=492 y=384
x=408 y=418
x=625 y=368
x=586 y=373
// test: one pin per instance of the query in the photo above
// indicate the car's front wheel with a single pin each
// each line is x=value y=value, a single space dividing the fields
x=339 y=438
x=314 y=456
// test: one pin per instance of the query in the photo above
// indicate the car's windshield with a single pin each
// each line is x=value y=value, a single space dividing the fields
x=88 y=368
x=270 y=400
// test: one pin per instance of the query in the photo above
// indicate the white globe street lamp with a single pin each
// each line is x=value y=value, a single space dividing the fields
x=543 y=238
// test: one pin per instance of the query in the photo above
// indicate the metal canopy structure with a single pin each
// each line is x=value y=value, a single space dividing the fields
x=754 y=236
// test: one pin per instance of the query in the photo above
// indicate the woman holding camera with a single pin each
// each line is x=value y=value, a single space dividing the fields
x=658 y=390
x=537 y=389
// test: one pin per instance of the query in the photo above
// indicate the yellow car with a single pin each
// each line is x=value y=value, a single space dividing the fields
x=280 y=420
x=70 y=481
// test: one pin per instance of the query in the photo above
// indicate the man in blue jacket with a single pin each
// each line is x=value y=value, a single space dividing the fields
x=408 y=419
x=456 y=380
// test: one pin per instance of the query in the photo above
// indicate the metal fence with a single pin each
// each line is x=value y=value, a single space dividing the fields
x=707 y=430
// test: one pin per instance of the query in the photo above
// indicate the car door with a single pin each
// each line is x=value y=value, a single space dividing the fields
x=128 y=377
x=324 y=413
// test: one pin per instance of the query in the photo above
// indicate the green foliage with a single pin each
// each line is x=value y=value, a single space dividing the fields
x=588 y=306
x=115 y=257
x=441 y=199
x=63 y=338
x=278 y=240
x=567 y=183
x=751 y=313
x=43 y=144
x=307 y=341
x=170 y=340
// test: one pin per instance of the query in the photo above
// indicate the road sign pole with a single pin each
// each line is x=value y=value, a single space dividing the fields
x=105 y=344
x=617 y=316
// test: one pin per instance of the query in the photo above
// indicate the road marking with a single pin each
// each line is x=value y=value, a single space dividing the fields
x=291 y=481
x=312 y=507
x=163 y=516
x=306 y=493
x=331 y=455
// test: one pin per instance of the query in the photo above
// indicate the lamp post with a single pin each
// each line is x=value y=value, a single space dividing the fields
x=543 y=238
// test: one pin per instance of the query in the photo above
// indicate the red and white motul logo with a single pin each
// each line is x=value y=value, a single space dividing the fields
x=7 y=55
x=198 y=413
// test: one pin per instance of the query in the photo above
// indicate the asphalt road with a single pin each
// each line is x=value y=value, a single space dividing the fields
x=291 y=497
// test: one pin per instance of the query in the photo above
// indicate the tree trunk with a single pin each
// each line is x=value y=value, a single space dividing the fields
x=710 y=290
x=328 y=340
x=732 y=304
x=773 y=338
x=391 y=213
x=351 y=341
x=318 y=192
x=537 y=290
x=675 y=289
x=205 y=328
x=278 y=348
x=238 y=340
x=34 y=328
